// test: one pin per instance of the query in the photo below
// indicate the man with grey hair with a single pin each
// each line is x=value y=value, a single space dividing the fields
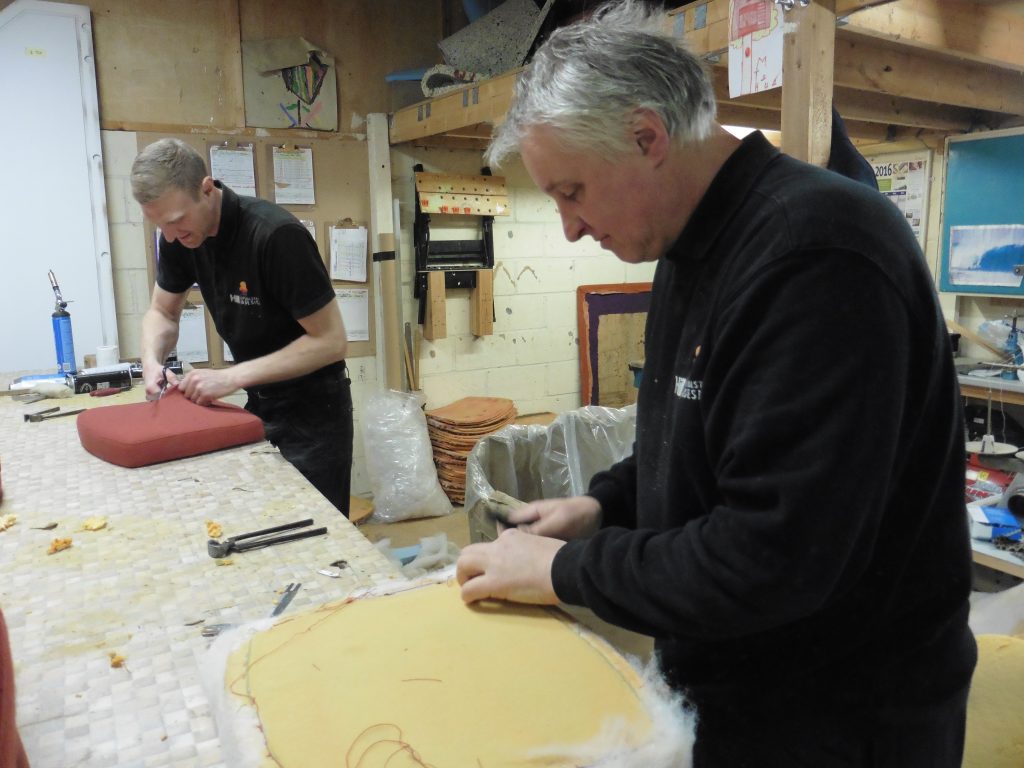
x=272 y=301
x=790 y=526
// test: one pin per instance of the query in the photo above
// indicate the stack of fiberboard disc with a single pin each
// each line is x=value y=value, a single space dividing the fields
x=456 y=428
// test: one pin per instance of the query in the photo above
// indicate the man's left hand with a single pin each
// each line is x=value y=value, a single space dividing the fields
x=515 y=567
x=204 y=385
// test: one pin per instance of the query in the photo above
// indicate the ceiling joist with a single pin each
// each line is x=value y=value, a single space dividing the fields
x=979 y=32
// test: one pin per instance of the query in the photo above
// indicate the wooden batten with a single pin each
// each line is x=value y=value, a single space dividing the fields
x=481 y=304
x=435 y=324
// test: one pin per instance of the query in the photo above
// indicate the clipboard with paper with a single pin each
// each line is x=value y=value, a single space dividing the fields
x=348 y=249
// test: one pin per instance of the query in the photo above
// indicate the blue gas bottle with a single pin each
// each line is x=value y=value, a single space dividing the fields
x=63 y=339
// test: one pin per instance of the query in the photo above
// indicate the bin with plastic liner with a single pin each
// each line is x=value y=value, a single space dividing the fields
x=531 y=462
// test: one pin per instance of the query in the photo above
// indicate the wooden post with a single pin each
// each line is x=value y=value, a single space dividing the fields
x=435 y=324
x=389 y=309
x=807 y=79
x=481 y=304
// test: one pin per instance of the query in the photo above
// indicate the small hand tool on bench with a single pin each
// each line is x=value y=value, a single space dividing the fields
x=258 y=539
x=50 y=413
x=212 y=630
x=107 y=391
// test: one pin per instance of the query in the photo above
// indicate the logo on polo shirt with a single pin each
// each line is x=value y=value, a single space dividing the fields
x=243 y=298
x=688 y=389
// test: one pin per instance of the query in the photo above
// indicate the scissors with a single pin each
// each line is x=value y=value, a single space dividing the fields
x=163 y=385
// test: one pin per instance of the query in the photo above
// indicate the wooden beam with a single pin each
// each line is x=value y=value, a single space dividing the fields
x=705 y=24
x=868 y=106
x=444 y=141
x=871 y=64
x=807 y=58
x=845 y=7
x=976 y=31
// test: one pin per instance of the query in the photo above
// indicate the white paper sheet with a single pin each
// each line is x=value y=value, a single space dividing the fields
x=234 y=166
x=192 y=335
x=755 y=46
x=293 y=176
x=348 y=253
x=355 y=311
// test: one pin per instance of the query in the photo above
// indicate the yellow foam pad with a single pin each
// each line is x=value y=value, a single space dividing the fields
x=995 y=707
x=419 y=679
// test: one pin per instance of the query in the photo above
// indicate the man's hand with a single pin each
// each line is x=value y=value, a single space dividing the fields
x=204 y=385
x=515 y=567
x=153 y=380
x=573 y=518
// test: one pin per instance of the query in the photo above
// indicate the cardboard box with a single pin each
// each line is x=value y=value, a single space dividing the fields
x=989 y=522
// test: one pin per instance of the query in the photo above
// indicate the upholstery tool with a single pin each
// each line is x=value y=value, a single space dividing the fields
x=258 y=539
x=31 y=397
x=289 y=593
x=499 y=505
x=212 y=630
x=50 y=413
x=164 y=382
x=107 y=391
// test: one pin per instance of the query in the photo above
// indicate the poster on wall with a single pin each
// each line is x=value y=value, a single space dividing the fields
x=904 y=177
x=982 y=246
x=987 y=255
x=289 y=83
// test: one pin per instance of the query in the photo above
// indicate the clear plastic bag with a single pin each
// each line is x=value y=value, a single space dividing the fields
x=399 y=460
x=530 y=462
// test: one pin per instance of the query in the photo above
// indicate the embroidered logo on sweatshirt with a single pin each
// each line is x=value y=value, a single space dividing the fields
x=243 y=298
x=688 y=389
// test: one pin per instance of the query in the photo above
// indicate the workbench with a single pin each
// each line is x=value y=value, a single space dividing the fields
x=144 y=586
x=1001 y=390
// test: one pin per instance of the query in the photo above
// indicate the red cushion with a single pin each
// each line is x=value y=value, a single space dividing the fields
x=12 y=754
x=139 y=434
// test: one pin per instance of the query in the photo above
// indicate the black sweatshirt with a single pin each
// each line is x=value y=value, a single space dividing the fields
x=791 y=525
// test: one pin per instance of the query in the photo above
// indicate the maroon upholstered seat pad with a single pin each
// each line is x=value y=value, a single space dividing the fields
x=139 y=434
x=12 y=754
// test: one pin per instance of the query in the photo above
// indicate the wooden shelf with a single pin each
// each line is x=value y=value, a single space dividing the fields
x=903 y=70
x=460 y=119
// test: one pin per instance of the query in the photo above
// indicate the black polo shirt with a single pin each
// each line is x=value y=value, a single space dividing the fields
x=259 y=275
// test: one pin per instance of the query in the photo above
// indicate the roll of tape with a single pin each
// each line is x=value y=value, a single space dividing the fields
x=107 y=356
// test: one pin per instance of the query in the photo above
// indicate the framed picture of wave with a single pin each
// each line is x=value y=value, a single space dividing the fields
x=983 y=214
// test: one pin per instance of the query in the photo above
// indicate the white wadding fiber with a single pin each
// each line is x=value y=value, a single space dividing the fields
x=670 y=745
